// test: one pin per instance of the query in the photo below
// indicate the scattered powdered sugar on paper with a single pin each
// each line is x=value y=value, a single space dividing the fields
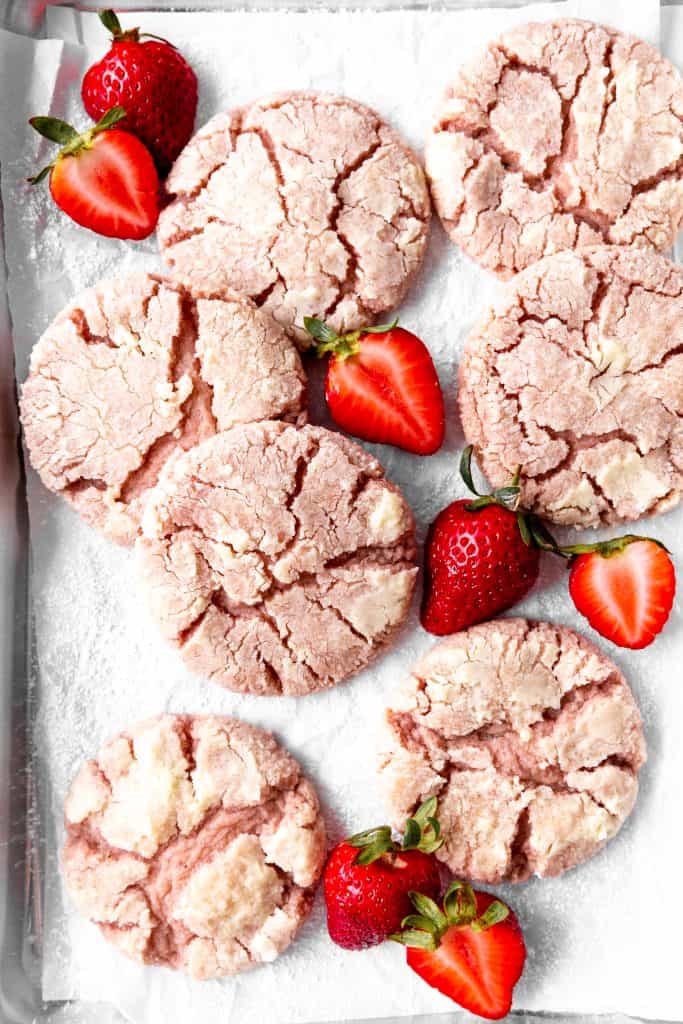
x=101 y=664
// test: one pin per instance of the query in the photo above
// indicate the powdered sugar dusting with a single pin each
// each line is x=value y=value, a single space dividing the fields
x=101 y=664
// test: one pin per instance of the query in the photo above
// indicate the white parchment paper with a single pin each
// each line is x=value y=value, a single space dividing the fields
x=603 y=938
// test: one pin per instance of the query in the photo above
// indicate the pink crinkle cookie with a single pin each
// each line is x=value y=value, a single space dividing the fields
x=559 y=135
x=576 y=374
x=136 y=369
x=277 y=559
x=195 y=843
x=531 y=740
x=309 y=203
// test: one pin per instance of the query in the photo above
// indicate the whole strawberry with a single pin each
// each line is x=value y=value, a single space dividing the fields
x=480 y=558
x=154 y=84
x=368 y=879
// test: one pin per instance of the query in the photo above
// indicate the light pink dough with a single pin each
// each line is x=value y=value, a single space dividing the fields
x=136 y=369
x=576 y=374
x=309 y=203
x=278 y=560
x=194 y=842
x=559 y=135
x=531 y=740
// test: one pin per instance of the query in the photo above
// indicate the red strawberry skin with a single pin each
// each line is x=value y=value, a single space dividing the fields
x=157 y=88
x=477 y=970
x=366 y=903
x=110 y=187
x=388 y=392
x=626 y=596
x=476 y=565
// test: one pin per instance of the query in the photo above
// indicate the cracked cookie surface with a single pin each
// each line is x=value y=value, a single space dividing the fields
x=559 y=135
x=309 y=203
x=531 y=740
x=278 y=559
x=576 y=374
x=137 y=368
x=195 y=843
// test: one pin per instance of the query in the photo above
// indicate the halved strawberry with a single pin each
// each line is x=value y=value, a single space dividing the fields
x=382 y=386
x=103 y=179
x=625 y=588
x=473 y=951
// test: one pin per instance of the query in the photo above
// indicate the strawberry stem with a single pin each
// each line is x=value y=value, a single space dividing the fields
x=111 y=22
x=494 y=914
x=426 y=928
x=422 y=832
x=507 y=496
x=541 y=536
x=607 y=548
x=71 y=141
x=54 y=129
x=460 y=903
x=159 y=39
x=342 y=346
x=372 y=844
x=533 y=531
x=466 y=469
x=119 y=35
x=108 y=120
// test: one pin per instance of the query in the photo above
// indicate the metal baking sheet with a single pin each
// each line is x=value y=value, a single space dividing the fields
x=21 y=826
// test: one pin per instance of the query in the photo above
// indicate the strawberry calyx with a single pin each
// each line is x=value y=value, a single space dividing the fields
x=542 y=538
x=534 y=533
x=422 y=832
x=606 y=548
x=342 y=346
x=72 y=142
x=112 y=24
x=426 y=928
x=507 y=496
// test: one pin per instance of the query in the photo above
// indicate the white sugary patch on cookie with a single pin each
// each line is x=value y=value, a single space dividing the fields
x=530 y=739
x=194 y=842
x=232 y=894
x=136 y=369
x=387 y=516
x=309 y=203
x=626 y=476
x=558 y=135
x=277 y=559
x=576 y=374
